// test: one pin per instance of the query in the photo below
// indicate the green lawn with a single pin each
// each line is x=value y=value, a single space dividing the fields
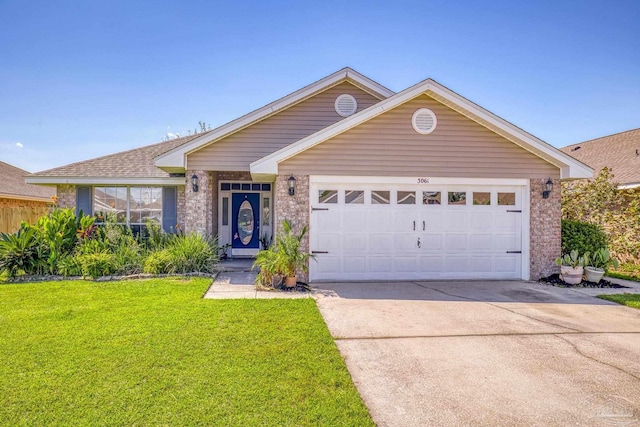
x=631 y=300
x=626 y=271
x=153 y=352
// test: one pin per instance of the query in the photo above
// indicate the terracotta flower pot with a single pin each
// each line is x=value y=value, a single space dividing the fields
x=594 y=274
x=290 y=282
x=571 y=275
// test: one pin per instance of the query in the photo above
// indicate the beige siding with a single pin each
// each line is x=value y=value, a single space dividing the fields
x=388 y=146
x=237 y=151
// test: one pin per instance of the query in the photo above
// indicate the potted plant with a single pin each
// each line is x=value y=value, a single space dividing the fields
x=571 y=267
x=598 y=264
x=268 y=277
x=289 y=258
x=224 y=249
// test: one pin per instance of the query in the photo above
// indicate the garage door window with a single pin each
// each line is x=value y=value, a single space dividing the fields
x=380 y=197
x=481 y=198
x=328 y=196
x=457 y=198
x=431 y=197
x=354 y=197
x=507 y=199
x=406 y=197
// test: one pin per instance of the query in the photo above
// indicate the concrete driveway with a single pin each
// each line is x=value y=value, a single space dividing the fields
x=486 y=353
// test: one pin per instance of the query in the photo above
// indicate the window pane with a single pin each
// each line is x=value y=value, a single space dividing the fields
x=110 y=202
x=406 y=197
x=380 y=197
x=246 y=187
x=507 y=199
x=145 y=204
x=354 y=197
x=225 y=211
x=457 y=198
x=431 y=198
x=481 y=198
x=266 y=211
x=255 y=187
x=266 y=187
x=235 y=186
x=225 y=186
x=328 y=196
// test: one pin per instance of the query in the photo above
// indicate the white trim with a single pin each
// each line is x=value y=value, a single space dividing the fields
x=74 y=180
x=176 y=158
x=570 y=168
x=414 y=180
x=629 y=186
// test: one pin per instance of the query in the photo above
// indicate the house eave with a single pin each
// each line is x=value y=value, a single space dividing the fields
x=48 y=180
x=176 y=158
x=568 y=166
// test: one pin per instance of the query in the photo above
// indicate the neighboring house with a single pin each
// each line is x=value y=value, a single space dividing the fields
x=20 y=201
x=619 y=152
x=419 y=184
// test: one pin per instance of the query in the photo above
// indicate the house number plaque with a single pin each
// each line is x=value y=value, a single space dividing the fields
x=423 y=180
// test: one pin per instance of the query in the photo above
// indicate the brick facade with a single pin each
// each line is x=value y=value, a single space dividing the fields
x=545 y=234
x=295 y=208
x=66 y=196
x=198 y=216
x=182 y=207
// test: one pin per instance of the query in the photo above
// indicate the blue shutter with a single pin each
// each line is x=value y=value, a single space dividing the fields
x=169 y=209
x=84 y=201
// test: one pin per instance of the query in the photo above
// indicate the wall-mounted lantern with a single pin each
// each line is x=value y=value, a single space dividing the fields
x=194 y=182
x=292 y=186
x=548 y=188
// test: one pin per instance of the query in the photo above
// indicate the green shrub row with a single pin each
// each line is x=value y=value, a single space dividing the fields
x=62 y=243
x=582 y=237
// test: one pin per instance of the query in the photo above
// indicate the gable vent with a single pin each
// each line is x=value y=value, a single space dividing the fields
x=346 y=105
x=424 y=121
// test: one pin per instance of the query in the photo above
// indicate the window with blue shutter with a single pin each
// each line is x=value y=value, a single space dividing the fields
x=84 y=201
x=169 y=209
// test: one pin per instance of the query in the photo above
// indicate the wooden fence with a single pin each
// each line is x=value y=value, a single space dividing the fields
x=11 y=217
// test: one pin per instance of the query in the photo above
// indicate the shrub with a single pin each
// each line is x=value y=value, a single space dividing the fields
x=193 y=253
x=19 y=253
x=582 y=236
x=159 y=262
x=97 y=264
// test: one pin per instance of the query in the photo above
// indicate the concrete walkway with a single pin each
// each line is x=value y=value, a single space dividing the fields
x=241 y=285
x=487 y=353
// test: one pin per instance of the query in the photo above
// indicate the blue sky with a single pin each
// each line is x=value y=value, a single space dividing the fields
x=80 y=79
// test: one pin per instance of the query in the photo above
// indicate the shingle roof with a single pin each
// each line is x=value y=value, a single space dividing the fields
x=12 y=184
x=619 y=152
x=136 y=163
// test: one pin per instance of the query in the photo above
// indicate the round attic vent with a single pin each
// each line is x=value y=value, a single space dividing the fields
x=424 y=121
x=346 y=105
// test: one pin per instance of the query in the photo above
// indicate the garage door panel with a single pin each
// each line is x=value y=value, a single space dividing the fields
x=482 y=264
x=354 y=242
x=456 y=242
x=354 y=264
x=481 y=242
x=379 y=264
x=389 y=241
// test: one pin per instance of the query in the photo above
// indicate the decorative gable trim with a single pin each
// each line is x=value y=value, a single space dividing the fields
x=267 y=167
x=175 y=160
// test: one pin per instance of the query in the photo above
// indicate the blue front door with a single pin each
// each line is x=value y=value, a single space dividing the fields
x=245 y=214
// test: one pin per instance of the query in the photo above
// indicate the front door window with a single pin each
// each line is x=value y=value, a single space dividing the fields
x=246 y=220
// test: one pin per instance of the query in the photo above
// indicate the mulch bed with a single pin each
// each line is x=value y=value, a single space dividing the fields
x=555 y=280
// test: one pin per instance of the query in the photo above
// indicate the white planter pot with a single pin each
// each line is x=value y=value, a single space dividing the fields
x=594 y=274
x=571 y=275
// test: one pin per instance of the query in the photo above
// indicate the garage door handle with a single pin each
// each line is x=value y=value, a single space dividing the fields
x=319 y=209
x=319 y=252
x=423 y=225
x=515 y=211
x=414 y=226
x=514 y=252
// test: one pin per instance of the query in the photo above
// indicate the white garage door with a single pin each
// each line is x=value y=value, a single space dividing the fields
x=402 y=231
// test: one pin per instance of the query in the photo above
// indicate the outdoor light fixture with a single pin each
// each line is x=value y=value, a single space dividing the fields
x=194 y=182
x=548 y=187
x=292 y=186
